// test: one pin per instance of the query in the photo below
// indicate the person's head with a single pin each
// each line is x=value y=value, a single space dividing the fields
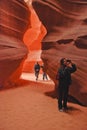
x=63 y=61
x=68 y=61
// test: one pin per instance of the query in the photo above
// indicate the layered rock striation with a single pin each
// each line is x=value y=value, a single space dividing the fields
x=14 y=21
x=66 y=25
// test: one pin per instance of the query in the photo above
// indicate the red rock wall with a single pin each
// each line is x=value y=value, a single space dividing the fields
x=14 y=21
x=32 y=40
x=66 y=24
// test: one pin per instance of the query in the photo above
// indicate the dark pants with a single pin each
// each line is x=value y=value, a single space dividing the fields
x=36 y=74
x=63 y=95
x=45 y=76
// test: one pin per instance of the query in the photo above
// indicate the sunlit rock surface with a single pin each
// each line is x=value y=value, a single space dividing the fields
x=66 y=24
x=14 y=21
x=32 y=39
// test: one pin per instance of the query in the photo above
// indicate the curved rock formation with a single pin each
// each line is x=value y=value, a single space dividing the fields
x=14 y=20
x=36 y=34
x=66 y=24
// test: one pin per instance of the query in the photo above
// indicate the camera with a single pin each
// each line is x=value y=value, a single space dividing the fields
x=68 y=60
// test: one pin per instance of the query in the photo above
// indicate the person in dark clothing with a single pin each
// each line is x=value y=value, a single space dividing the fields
x=37 y=70
x=44 y=72
x=64 y=77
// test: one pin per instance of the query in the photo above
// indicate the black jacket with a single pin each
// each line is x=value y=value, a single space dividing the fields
x=65 y=74
x=37 y=67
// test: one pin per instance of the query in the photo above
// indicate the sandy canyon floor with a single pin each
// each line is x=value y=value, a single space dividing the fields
x=31 y=106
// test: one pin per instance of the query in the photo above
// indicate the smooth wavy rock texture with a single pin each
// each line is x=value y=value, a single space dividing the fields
x=32 y=39
x=14 y=21
x=66 y=25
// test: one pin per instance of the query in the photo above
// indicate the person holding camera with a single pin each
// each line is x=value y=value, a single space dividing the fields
x=64 y=77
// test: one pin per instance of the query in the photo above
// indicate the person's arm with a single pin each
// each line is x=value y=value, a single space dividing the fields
x=62 y=72
x=72 y=68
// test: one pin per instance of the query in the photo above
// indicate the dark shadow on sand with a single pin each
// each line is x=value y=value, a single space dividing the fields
x=72 y=110
x=54 y=94
x=14 y=85
x=22 y=83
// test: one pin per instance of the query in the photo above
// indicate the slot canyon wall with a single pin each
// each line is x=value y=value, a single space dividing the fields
x=14 y=21
x=32 y=39
x=66 y=25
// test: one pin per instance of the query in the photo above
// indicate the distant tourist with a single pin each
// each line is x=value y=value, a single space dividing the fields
x=44 y=72
x=37 y=70
x=64 y=77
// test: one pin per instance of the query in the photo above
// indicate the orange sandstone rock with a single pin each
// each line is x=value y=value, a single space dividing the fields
x=14 y=21
x=66 y=25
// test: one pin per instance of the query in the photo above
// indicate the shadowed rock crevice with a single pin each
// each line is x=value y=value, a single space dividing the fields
x=81 y=43
x=65 y=41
